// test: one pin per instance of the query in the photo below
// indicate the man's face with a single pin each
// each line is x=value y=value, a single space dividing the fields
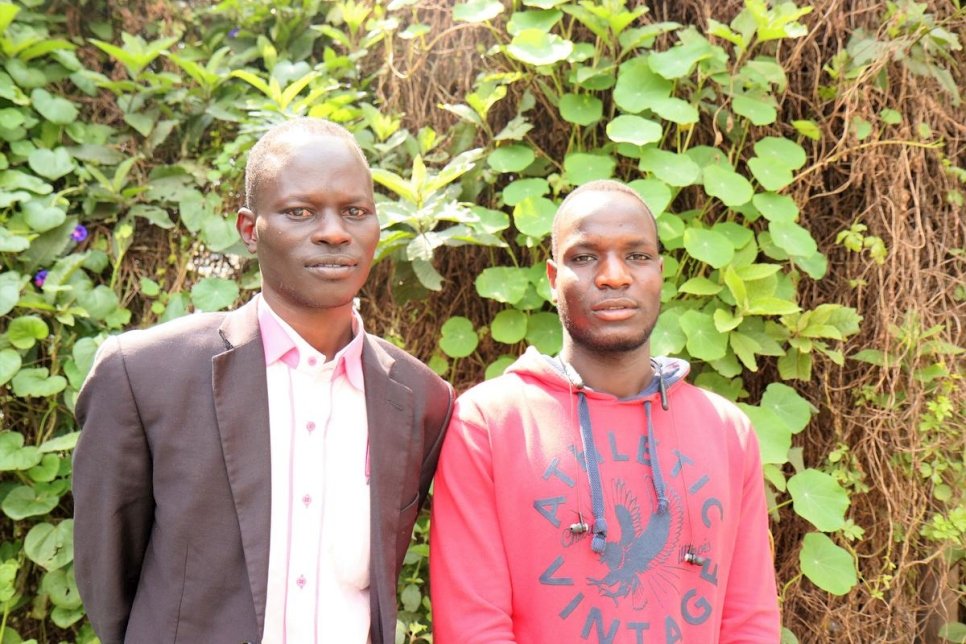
x=607 y=272
x=314 y=226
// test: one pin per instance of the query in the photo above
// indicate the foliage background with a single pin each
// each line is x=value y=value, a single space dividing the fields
x=123 y=128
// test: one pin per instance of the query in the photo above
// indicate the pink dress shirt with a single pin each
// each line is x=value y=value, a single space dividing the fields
x=318 y=567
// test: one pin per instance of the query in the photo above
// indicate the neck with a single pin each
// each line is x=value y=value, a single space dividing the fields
x=326 y=330
x=620 y=373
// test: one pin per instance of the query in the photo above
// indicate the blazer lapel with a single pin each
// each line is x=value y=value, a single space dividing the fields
x=241 y=407
x=389 y=409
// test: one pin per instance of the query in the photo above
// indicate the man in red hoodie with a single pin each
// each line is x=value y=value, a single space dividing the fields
x=596 y=495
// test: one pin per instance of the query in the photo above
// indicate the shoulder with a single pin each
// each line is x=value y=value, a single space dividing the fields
x=713 y=412
x=404 y=367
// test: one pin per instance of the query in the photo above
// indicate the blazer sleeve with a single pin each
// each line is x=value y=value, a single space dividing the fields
x=437 y=421
x=113 y=497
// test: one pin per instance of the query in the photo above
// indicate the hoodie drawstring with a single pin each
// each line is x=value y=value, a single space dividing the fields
x=660 y=490
x=593 y=473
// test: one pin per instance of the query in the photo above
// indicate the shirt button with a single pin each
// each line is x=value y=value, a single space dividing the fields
x=307 y=500
x=313 y=361
x=310 y=426
x=300 y=582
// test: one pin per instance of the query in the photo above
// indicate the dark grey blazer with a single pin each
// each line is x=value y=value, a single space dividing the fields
x=172 y=479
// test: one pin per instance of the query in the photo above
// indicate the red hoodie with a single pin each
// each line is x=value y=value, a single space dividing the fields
x=663 y=537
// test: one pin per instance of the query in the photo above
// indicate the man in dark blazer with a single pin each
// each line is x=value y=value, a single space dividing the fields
x=172 y=472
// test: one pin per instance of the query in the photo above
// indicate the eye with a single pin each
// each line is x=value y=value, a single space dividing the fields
x=298 y=213
x=639 y=257
x=355 y=212
x=583 y=258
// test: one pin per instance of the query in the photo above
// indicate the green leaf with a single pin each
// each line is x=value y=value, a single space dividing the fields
x=37 y=383
x=459 y=338
x=745 y=347
x=890 y=116
x=794 y=410
x=544 y=332
x=728 y=186
x=768 y=305
x=792 y=238
x=502 y=283
x=157 y=216
x=678 y=61
x=654 y=192
x=518 y=190
x=581 y=167
x=511 y=158
x=51 y=164
x=634 y=129
x=776 y=207
x=581 y=109
x=214 y=294
x=638 y=86
x=509 y=326
x=8 y=12
x=709 y=246
x=498 y=366
x=427 y=274
x=781 y=152
x=774 y=438
x=25 y=501
x=808 y=129
x=704 y=340
x=63 y=443
x=759 y=109
x=674 y=110
x=770 y=175
x=700 y=286
x=477 y=11
x=534 y=216
x=49 y=546
x=667 y=338
x=53 y=108
x=537 y=47
x=828 y=566
x=818 y=498
x=10 y=363
x=861 y=128
x=14 y=456
x=544 y=20
x=41 y=217
x=60 y=585
x=24 y=331
x=10 y=243
x=99 y=302
x=671 y=168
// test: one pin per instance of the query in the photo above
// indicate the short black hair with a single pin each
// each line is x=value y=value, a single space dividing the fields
x=598 y=185
x=275 y=146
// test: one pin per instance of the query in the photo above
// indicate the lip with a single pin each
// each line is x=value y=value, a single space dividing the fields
x=615 y=310
x=331 y=266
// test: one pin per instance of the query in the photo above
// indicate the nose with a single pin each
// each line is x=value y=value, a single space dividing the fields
x=330 y=230
x=612 y=273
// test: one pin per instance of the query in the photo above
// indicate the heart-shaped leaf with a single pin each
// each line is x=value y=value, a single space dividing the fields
x=537 y=47
x=214 y=294
x=459 y=338
x=637 y=130
x=51 y=164
x=828 y=566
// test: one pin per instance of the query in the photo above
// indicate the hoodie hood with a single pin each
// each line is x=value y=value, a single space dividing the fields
x=554 y=373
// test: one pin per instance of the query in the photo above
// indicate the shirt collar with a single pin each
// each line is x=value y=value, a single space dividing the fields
x=283 y=343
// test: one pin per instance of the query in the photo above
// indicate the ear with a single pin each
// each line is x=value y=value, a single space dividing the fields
x=245 y=225
x=552 y=277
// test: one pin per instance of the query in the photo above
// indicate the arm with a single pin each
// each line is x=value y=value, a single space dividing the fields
x=436 y=428
x=469 y=574
x=113 y=499
x=751 y=599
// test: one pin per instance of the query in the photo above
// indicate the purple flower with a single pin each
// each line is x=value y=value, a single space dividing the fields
x=40 y=278
x=79 y=233
x=234 y=32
